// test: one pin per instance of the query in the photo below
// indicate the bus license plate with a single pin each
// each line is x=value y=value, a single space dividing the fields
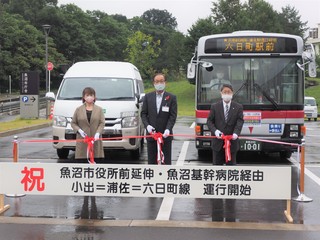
x=249 y=145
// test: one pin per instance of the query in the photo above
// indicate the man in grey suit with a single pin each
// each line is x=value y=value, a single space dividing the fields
x=225 y=118
x=159 y=113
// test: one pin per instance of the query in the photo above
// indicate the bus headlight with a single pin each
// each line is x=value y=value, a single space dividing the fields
x=60 y=121
x=129 y=119
x=206 y=133
x=205 y=127
x=294 y=127
x=294 y=134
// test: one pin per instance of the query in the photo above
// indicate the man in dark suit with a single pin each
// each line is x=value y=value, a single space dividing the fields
x=159 y=113
x=225 y=118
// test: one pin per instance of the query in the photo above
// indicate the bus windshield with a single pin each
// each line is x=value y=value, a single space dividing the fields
x=106 y=88
x=272 y=83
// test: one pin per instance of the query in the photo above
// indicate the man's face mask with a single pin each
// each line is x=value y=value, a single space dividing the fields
x=226 y=97
x=159 y=86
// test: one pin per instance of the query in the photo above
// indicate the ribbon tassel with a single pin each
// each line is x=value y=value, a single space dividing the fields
x=160 y=156
x=90 y=151
x=226 y=146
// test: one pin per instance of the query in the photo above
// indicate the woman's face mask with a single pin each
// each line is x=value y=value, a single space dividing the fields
x=89 y=99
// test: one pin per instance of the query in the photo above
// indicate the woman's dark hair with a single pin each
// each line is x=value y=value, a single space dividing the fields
x=89 y=91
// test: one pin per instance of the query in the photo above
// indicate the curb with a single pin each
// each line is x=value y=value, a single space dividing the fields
x=25 y=129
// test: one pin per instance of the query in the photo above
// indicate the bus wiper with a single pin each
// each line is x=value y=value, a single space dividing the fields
x=242 y=86
x=115 y=98
x=267 y=96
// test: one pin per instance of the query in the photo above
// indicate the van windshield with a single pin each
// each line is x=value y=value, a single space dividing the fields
x=106 y=88
x=309 y=102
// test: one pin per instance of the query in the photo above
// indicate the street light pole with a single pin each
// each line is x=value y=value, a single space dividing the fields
x=46 y=29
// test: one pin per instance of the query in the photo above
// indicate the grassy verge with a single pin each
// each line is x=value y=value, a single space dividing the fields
x=21 y=123
x=185 y=96
x=314 y=91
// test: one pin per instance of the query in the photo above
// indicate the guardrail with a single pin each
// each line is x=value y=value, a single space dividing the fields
x=13 y=105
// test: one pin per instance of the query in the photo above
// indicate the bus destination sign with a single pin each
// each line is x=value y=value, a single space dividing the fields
x=251 y=44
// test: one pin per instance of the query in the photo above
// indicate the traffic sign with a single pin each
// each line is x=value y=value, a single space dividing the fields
x=50 y=66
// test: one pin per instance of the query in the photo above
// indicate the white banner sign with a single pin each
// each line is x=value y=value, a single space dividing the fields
x=237 y=182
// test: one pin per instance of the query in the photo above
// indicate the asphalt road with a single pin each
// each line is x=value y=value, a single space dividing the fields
x=70 y=217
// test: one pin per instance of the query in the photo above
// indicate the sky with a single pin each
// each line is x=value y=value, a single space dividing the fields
x=187 y=12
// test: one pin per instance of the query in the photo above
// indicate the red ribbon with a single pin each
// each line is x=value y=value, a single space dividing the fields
x=90 y=151
x=226 y=146
x=158 y=137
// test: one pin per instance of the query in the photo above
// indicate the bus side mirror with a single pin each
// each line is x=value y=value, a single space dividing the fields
x=310 y=57
x=191 y=72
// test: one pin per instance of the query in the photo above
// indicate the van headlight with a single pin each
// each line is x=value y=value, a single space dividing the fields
x=129 y=119
x=60 y=121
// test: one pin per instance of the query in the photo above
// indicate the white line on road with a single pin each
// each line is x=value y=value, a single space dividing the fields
x=167 y=202
x=306 y=171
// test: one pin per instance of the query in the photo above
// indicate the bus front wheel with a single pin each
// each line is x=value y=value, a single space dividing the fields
x=285 y=154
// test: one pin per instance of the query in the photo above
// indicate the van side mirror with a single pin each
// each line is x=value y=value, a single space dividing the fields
x=139 y=99
x=50 y=96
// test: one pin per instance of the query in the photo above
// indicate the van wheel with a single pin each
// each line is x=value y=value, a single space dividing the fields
x=63 y=153
x=135 y=154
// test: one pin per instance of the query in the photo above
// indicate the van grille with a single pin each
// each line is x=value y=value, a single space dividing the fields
x=112 y=136
x=110 y=122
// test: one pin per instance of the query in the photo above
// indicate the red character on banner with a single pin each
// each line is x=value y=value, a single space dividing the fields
x=33 y=178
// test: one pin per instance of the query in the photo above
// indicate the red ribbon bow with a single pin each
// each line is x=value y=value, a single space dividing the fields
x=167 y=98
x=90 y=152
x=158 y=137
x=226 y=146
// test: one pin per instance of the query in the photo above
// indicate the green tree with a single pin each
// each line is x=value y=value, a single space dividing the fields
x=29 y=9
x=74 y=35
x=202 y=27
x=160 y=18
x=260 y=15
x=291 y=21
x=142 y=51
x=232 y=15
x=22 y=48
x=174 y=52
x=111 y=38
x=227 y=15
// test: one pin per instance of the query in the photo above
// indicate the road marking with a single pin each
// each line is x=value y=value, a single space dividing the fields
x=260 y=226
x=306 y=171
x=167 y=202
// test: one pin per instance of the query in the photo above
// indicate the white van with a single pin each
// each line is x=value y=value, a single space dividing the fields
x=310 y=108
x=119 y=91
